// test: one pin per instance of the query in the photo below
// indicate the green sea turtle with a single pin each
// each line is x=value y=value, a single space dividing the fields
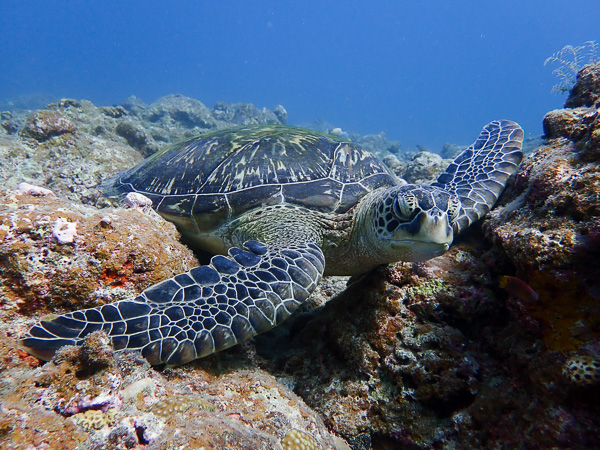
x=281 y=207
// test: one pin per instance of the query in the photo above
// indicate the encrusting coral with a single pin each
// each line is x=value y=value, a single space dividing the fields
x=299 y=440
x=95 y=419
x=582 y=370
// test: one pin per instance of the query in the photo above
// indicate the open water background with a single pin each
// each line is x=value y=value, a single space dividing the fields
x=424 y=72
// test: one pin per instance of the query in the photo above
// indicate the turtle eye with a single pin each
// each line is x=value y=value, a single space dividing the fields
x=453 y=209
x=405 y=206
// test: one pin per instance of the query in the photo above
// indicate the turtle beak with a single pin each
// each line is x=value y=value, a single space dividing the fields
x=433 y=226
x=427 y=236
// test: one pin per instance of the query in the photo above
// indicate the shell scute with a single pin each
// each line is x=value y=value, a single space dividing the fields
x=228 y=160
x=206 y=181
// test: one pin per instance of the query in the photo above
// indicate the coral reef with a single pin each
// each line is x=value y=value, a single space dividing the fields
x=72 y=145
x=549 y=227
x=438 y=355
x=58 y=254
x=414 y=355
x=432 y=355
x=88 y=397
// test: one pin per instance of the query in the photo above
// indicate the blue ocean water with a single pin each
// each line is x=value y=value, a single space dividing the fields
x=424 y=72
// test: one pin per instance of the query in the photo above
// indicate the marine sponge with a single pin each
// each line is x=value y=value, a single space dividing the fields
x=299 y=440
x=582 y=370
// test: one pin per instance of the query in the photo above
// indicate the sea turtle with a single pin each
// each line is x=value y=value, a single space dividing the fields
x=280 y=207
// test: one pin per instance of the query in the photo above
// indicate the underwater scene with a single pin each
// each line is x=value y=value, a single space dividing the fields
x=312 y=225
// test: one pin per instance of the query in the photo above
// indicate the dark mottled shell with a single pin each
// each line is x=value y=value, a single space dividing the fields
x=220 y=175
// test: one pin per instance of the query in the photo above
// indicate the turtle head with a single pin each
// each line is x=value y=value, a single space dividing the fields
x=412 y=222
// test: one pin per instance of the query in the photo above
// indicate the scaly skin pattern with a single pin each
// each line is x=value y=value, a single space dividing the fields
x=347 y=217
x=208 y=309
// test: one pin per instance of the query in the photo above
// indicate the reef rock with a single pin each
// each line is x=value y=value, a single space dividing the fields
x=72 y=145
x=431 y=355
x=88 y=397
x=424 y=167
x=137 y=137
x=46 y=124
x=69 y=148
x=180 y=111
x=418 y=168
x=586 y=91
x=451 y=151
x=248 y=114
x=56 y=255
x=550 y=227
x=571 y=124
x=377 y=144
x=70 y=164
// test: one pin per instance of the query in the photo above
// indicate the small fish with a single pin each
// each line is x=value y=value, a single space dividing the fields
x=518 y=288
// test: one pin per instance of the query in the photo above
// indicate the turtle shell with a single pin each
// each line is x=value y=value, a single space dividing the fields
x=220 y=175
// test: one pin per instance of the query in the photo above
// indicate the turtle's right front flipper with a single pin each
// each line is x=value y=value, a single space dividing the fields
x=208 y=309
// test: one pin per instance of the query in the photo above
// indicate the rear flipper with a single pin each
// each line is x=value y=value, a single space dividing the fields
x=208 y=309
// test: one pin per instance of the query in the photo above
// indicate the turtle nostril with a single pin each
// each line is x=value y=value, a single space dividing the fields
x=436 y=214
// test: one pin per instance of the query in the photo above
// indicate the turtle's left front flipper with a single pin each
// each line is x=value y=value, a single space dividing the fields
x=479 y=174
x=208 y=309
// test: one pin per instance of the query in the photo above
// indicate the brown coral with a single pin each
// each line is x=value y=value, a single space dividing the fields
x=95 y=419
x=179 y=404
